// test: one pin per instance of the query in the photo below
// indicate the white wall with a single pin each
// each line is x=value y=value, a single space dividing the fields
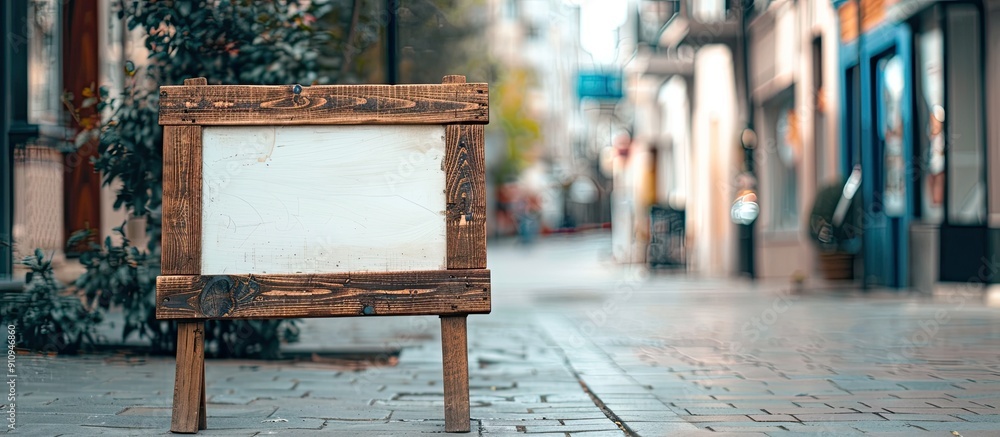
x=711 y=234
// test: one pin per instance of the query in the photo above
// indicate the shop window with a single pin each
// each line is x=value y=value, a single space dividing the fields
x=966 y=188
x=891 y=85
x=930 y=117
x=782 y=166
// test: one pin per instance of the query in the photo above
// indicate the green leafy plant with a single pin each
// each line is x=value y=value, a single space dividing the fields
x=123 y=276
x=520 y=131
x=46 y=318
x=227 y=42
x=824 y=232
x=249 y=338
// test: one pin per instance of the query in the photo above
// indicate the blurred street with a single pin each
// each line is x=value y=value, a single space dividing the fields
x=578 y=345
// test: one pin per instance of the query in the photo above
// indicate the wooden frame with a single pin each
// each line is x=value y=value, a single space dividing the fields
x=184 y=294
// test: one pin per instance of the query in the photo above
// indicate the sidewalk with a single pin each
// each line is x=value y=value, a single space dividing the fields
x=579 y=346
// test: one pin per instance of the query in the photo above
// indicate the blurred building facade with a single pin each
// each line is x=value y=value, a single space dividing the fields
x=922 y=119
x=688 y=97
x=793 y=88
x=681 y=105
x=47 y=183
x=783 y=98
x=541 y=39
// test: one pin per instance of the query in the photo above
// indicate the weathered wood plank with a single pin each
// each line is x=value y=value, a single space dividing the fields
x=466 y=196
x=465 y=192
x=455 y=361
x=323 y=295
x=182 y=198
x=188 y=409
x=334 y=104
x=202 y=409
x=323 y=199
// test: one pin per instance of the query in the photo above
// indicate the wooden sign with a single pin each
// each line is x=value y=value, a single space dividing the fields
x=322 y=201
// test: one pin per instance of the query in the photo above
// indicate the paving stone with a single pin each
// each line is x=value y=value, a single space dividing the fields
x=772 y=418
x=568 y=398
x=519 y=422
x=320 y=412
x=808 y=410
x=960 y=426
x=617 y=406
x=846 y=417
x=927 y=385
x=744 y=428
x=723 y=411
x=933 y=410
x=232 y=399
x=815 y=429
x=904 y=403
x=500 y=430
x=29 y=419
x=213 y=411
x=861 y=386
x=535 y=429
x=704 y=404
x=908 y=433
x=395 y=427
x=652 y=416
x=978 y=410
x=659 y=429
x=130 y=422
x=995 y=418
x=828 y=357
x=718 y=418
x=921 y=417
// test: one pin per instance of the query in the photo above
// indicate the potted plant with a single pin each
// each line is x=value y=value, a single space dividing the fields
x=836 y=234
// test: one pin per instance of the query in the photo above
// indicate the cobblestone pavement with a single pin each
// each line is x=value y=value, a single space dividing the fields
x=578 y=346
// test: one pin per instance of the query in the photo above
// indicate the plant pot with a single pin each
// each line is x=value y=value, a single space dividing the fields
x=836 y=266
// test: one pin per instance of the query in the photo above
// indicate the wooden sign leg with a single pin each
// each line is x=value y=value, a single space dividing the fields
x=202 y=411
x=455 y=351
x=189 y=382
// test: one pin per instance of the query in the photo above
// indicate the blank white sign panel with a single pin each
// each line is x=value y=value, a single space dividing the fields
x=323 y=199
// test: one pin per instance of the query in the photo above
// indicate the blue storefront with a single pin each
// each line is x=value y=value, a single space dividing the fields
x=915 y=112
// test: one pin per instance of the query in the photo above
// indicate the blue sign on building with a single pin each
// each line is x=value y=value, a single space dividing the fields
x=603 y=86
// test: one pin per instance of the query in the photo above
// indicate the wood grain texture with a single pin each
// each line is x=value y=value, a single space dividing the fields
x=455 y=363
x=465 y=194
x=323 y=295
x=202 y=409
x=190 y=378
x=227 y=105
x=181 y=200
x=323 y=199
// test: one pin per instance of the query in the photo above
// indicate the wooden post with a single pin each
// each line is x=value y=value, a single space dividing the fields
x=465 y=251
x=182 y=249
x=455 y=358
x=189 y=393
x=202 y=410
